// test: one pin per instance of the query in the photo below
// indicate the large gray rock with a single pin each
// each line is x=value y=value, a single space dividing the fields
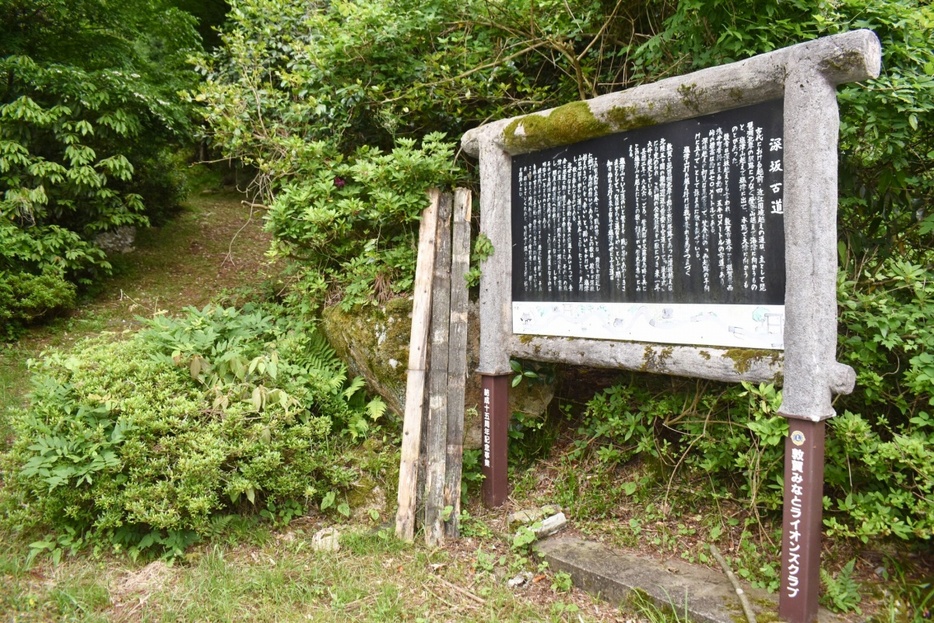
x=374 y=343
x=118 y=240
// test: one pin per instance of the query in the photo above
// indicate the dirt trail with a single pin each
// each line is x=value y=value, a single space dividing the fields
x=215 y=245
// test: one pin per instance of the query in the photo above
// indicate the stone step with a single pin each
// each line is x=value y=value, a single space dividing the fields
x=707 y=596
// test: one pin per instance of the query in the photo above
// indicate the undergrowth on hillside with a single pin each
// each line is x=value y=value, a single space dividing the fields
x=674 y=465
x=145 y=444
x=878 y=477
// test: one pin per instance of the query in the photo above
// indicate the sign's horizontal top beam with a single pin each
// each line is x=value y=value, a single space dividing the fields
x=847 y=57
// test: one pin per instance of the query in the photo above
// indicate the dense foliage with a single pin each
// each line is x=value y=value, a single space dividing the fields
x=89 y=113
x=292 y=76
x=341 y=107
x=354 y=222
x=146 y=443
x=367 y=73
x=879 y=476
x=880 y=448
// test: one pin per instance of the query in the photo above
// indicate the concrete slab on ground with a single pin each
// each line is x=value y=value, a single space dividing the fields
x=706 y=595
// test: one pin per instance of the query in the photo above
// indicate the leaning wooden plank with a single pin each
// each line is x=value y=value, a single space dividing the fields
x=457 y=358
x=415 y=381
x=437 y=431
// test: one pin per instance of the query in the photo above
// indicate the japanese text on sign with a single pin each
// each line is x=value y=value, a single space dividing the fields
x=627 y=226
x=794 y=536
x=486 y=427
x=688 y=212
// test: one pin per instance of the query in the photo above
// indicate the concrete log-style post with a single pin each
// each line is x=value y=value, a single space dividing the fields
x=495 y=224
x=812 y=374
x=495 y=318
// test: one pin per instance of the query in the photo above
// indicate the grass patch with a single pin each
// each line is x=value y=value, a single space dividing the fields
x=14 y=384
x=654 y=612
x=76 y=591
x=373 y=578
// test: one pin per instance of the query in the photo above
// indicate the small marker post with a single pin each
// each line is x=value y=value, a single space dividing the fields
x=801 y=523
x=495 y=414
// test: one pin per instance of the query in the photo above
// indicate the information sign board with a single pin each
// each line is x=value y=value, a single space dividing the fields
x=672 y=233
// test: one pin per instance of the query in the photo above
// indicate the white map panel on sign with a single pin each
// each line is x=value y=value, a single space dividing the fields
x=731 y=326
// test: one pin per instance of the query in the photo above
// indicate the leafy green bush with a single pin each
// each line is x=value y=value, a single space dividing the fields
x=368 y=73
x=729 y=433
x=884 y=442
x=142 y=444
x=879 y=474
x=352 y=223
x=24 y=298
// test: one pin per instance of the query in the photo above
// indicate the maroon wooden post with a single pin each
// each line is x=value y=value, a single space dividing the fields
x=801 y=525
x=495 y=413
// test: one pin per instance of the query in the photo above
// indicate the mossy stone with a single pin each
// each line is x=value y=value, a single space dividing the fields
x=374 y=343
x=624 y=118
x=571 y=123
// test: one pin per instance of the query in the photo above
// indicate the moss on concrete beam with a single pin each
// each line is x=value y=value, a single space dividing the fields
x=566 y=124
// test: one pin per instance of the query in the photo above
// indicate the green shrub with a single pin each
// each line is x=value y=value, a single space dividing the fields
x=141 y=444
x=25 y=298
x=882 y=450
x=369 y=73
x=879 y=473
x=352 y=223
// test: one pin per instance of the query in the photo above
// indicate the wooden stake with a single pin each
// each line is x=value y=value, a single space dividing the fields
x=438 y=379
x=457 y=357
x=415 y=381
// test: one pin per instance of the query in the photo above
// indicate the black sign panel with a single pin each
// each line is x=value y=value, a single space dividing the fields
x=683 y=212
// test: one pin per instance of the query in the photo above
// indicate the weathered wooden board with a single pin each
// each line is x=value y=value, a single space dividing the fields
x=415 y=381
x=457 y=357
x=437 y=428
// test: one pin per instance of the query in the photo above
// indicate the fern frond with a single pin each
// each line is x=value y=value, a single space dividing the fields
x=319 y=353
x=376 y=408
x=355 y=385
